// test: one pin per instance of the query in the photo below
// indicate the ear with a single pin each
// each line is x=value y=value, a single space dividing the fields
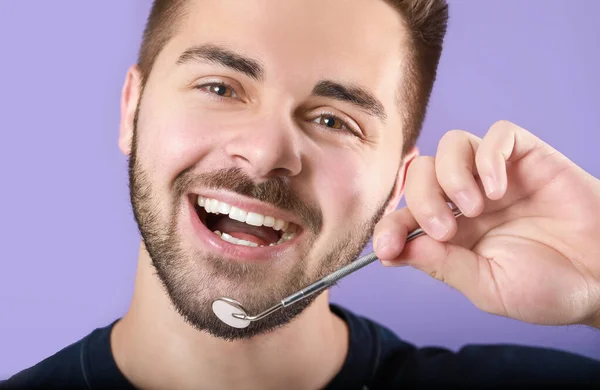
x=130 y=95
x=398 y=190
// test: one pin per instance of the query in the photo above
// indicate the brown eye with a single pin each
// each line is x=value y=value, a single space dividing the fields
x=334 y=122
x=331 y=122
x=221 y=90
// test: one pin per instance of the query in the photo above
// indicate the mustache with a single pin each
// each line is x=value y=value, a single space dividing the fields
x=275 y=191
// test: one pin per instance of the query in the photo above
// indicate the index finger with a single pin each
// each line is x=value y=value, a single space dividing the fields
x=390 y=233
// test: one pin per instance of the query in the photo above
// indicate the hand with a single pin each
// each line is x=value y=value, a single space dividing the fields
x=528 y=245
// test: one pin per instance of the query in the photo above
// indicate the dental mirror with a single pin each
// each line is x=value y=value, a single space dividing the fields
x=232 y=313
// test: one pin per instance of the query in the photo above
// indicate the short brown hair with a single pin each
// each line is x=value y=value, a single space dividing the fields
x=425 y=19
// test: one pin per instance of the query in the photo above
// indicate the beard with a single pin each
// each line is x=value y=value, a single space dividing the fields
x=192 y=279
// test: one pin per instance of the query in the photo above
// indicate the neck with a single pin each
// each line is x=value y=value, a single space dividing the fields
x=155 y=348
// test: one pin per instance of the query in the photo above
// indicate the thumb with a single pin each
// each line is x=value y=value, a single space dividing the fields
x=460 y=268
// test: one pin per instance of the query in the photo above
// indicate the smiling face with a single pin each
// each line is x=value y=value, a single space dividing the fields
x=266 y=145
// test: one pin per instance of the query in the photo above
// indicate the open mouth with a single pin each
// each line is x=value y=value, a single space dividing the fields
x=242 y=227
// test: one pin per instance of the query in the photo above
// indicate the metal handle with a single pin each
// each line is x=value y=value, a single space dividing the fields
x=331 y=279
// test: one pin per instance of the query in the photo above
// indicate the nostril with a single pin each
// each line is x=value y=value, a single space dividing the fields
x=266 y=157
x=281 y=172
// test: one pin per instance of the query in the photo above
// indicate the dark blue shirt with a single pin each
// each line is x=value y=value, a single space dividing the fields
x=377 y=359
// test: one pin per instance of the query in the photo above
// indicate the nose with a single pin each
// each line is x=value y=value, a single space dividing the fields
x=267 y=147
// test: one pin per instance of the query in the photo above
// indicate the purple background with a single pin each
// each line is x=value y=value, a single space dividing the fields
x=69 y=244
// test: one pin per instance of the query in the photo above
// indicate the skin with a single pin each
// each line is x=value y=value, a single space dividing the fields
x=348 y=174
x=526 y=249
x=528 y=246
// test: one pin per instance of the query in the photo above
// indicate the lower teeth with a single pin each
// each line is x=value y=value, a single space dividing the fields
x=227 y=237
x=285 y=237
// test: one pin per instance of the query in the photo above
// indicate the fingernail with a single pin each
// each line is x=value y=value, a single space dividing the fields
x=465 y=201
x=437 y=227
x=490 y=184
x=383 y=241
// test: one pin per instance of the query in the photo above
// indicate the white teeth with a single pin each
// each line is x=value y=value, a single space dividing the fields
x=228 y=238
x=278 y=225
x=236 y=241
x=238 y=214
x=255 y=219
x=251 y=218
x=269 y=221
x=214 y=205
x=224 y=208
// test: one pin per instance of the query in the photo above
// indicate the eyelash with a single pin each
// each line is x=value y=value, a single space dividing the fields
x=348 y=128
x=345 y=126
x=216 y=84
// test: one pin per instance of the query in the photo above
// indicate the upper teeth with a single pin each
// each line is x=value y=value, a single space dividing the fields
x=251 y=218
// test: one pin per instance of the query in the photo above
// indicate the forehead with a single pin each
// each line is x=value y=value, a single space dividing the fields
x=356 y=40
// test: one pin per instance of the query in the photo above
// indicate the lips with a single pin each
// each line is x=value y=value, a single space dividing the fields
x=208 y=241
x=239 y=226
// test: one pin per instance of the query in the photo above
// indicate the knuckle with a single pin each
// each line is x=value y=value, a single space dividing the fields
x=455 y=134
x=451 y=137
x=502 y=126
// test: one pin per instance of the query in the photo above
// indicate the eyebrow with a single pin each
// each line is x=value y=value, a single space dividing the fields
x=221 y=56
x=358 y=96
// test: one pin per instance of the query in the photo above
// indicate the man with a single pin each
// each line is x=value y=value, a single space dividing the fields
x=268 y=140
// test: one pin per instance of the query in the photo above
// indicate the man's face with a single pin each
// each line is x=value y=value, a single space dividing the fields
x=281 y=114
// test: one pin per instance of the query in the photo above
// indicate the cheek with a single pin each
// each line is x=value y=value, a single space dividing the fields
x=340 y=185
x=351 y=186
x=175 y=137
